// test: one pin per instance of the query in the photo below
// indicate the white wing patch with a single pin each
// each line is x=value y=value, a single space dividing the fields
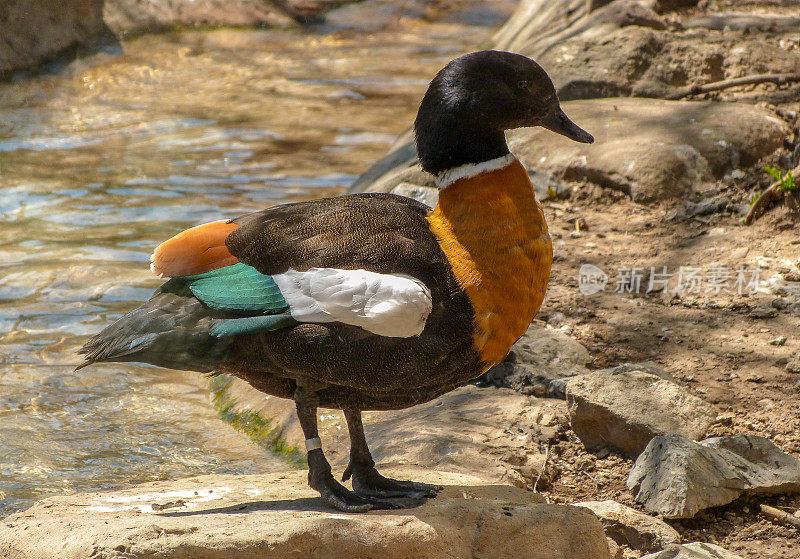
x=394 y=305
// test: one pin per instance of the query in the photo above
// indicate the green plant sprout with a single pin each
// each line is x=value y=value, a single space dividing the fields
x=786 y=182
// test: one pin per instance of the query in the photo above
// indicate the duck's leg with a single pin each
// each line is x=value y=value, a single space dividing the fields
x=319 y=470
x=366 y=479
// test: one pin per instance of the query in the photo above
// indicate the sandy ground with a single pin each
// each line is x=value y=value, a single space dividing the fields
x=721 y=346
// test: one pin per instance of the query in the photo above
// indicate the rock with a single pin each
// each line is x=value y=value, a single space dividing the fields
x=370 y=16
x=710 y=205
x=633 y=12
x=539 y=27
x=668 y=5
x=763 y=312
x=696 y=550
x=623 y=49
x=547 y=185
x=793 y=364
x=624 y=408
x=649 y=149
x=374 y=15
x=131 y=17
x=425 y=194
x=749 y=22
x=540 y=357
x=632 y=528
x=585 y=463
x=652 y=149
x=277 y=515
x=677 y=477
x=402 y=154
x=792 y=275
x=34 y=32
x=467 y=430
x=538 y=24
x=643 y=366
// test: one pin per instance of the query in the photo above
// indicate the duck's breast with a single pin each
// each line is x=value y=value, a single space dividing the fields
x=494 y=234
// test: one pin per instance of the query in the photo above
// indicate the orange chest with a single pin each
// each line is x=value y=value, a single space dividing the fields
x=493 y=232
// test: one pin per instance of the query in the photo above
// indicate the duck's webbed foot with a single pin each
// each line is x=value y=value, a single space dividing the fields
x=368 y=482
x=319 y=469
x=334 y=493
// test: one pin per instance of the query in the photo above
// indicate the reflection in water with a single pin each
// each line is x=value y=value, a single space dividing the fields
x=103 y=161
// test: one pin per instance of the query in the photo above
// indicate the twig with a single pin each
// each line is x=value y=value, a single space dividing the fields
x=544 y=467
x=777 y=514
x=770 y=196
x=778 y=79
x=767 y=198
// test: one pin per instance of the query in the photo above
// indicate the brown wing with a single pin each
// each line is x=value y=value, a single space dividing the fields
x=381 y=233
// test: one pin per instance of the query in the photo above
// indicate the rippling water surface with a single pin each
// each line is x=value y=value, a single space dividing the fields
x=119 y=151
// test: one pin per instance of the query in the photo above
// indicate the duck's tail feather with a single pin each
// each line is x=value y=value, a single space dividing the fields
x=191 y=321
x=172 y=329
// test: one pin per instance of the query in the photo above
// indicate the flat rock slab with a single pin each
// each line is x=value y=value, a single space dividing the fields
x=277 y=515
x=495 y=431
x=134 y=16
x=641 y=62
x=653 y=149
x=30 y=33
x=623 y=408
x=677 y=477
x=630 y=527
x=623 y=47
x=696 y=550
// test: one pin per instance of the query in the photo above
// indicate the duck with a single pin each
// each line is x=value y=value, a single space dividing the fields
x=368 y=301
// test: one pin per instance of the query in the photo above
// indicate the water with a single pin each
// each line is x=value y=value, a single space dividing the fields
x=115 y=153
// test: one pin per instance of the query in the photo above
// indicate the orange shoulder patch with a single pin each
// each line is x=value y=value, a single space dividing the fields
x=194 y=251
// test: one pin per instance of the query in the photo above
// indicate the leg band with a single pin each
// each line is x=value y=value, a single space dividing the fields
x=313 y=444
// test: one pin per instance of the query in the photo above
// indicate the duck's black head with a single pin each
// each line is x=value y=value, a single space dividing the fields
x=475 y=98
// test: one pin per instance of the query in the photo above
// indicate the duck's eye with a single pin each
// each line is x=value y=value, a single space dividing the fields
x=523 y=84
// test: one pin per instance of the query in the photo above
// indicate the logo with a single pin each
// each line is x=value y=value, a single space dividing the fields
x=591 y=279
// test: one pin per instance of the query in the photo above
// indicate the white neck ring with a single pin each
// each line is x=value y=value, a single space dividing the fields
x=469 y=170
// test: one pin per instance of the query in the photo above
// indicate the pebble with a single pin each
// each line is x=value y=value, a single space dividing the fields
x=792 y=276
x=780 y=303
x=585 y=463
x=538 y=390
x=779 y=341
x=556 y=318
x=766 y=404
x=739 y=253
x=763 y=312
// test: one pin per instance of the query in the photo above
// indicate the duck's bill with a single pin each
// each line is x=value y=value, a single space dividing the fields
x=560 y=123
